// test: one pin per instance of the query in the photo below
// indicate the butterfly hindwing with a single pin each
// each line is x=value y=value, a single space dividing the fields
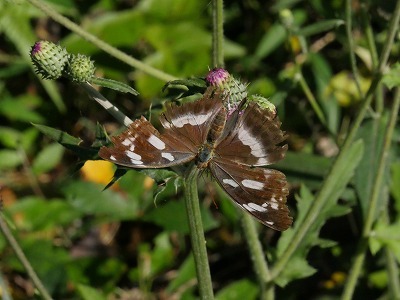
x=261 y=192
x=254 y=138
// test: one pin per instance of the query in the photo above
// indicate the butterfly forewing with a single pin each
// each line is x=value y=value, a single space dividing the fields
x=185 y=129
x=261 y=192
x=254 y=139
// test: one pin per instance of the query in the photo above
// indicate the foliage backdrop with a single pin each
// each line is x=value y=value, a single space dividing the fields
x=124 y=243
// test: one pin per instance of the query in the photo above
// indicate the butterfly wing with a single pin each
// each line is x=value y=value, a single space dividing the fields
x=261 y=192
x=252 y=137
x=185 y=130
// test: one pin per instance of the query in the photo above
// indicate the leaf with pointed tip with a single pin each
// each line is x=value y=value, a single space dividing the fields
x=68 y=141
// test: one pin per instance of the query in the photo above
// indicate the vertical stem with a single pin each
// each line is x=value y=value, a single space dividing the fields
x=218 y=33
x=197 y=234
x=258 y=257
x=363 y=244
x=350 y=42
x=22 y=258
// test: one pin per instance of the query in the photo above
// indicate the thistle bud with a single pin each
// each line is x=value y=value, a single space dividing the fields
x=79 y=68
x=48 y=59
x=234 y=89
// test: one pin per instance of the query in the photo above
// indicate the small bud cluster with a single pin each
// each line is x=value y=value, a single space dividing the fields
x=235 y=89
x=51 y=61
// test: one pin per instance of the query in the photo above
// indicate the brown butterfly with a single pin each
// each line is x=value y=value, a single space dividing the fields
x=230 y=144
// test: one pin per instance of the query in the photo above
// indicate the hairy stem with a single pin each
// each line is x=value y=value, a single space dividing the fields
x=197 y=234
x=218 y=33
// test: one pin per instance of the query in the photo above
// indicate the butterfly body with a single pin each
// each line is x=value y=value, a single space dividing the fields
x=230 y=144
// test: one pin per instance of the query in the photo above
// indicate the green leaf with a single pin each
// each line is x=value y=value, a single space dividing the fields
x=386 y=235
x=89 y=293
x=9 y=159
x=68 y=141
x=345 y=166
x=9 y=137
x=392 y=78
x=322 y=72
x=89 y=198
x=299 y=268
x=114 y=85
x=319 y=27
x=48 y=158
x=272 y=39
x=21 y=109
x=186 y=273
x=40 y=214
x=372 y=132
x=395 y=183
x=238 y=290
x=172 y=217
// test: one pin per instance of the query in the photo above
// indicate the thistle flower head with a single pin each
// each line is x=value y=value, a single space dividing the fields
x=48 y=59
x=79 y=68
x=233 y=88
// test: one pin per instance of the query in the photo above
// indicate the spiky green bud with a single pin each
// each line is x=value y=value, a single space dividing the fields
x=79 y=68
x=263 y=103
x=48 y=59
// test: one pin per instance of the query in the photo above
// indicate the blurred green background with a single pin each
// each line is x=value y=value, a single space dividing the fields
x=122 y=243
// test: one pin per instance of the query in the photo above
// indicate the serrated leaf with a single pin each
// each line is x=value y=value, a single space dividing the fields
x=48 y=158
x=238 y=290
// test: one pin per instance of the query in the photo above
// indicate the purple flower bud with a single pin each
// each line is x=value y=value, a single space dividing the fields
x=217 y=77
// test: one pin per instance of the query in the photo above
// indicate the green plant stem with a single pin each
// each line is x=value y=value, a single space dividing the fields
x=218 y=33
x=323 y=193
x=107 y=105
x=101 y=44
x=22 y=258
x=391 y=264
x=350 y=42
x=393 y=274
x=314 y=104
x=376 y=189
x=374 y=55
x=197 y=234
x=258 y=257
